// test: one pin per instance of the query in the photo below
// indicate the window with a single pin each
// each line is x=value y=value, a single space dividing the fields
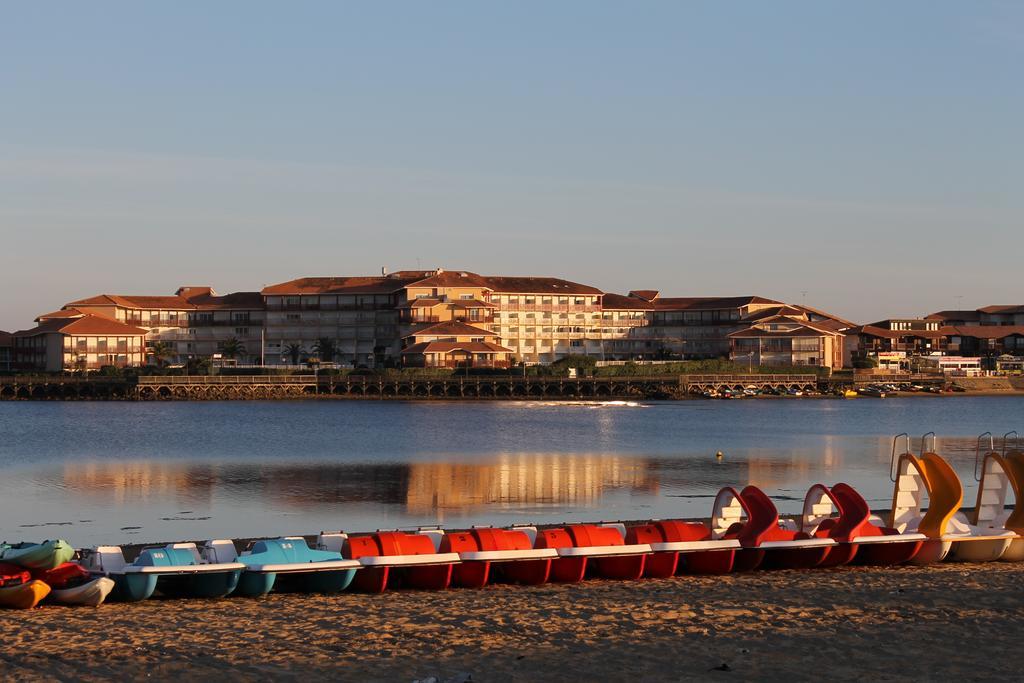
x=294 y=317
x=563 y=300
x=242 y=331
x=546 y=300
x=531 y=300
x=513 y=299
x=580 y=301
x=466 y=297
x=576 y=342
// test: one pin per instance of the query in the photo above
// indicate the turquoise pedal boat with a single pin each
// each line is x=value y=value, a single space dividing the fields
x=176 y=570
x=286 y=565
x=43 y=556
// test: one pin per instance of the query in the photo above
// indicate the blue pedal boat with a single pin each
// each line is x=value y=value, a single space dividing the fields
x=176 y=570
x=284 y=564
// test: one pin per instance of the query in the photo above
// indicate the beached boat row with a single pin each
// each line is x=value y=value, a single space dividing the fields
x=745 y=532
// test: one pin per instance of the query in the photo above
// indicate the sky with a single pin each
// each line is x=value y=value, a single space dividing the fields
x=860 y=157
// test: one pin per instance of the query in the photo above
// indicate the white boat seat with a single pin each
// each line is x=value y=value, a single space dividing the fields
x=409 y=560
x=606 y=550
x=333 y=541
x=798 y=543
x=695 y=546
x=221 y=550
x=508 y=555
x=303 y=567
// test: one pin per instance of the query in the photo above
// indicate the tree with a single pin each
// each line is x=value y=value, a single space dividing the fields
x=326 y=349
x=295 y=351
x=232 y=348
x=161 y=351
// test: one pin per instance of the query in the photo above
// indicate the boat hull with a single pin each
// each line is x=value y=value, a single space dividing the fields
x=932 y=550
x=38 y=556
x=988 y=550
x=90 y=594
x=25 y=595
x=886 y=554
x=133 y=587
x=254 y=584
x=796 y=558
x=1015 y=553
x=203 y=585
x=707 y=562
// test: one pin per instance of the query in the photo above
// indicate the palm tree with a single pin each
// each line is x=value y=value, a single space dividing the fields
x=294 y=350
x=326 y=348
x=161 y=351
x=232 y=348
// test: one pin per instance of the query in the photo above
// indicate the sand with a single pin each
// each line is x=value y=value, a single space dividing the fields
x=952 y=621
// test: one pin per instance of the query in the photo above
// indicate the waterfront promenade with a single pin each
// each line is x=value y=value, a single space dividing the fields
x=379 y=387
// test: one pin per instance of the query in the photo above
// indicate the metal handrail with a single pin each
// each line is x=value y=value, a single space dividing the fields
x=924 y=440
x=1016 y=438
x=892 y=460
x=977 y=451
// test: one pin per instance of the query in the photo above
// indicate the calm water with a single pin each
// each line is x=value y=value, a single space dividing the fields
x=123 y=472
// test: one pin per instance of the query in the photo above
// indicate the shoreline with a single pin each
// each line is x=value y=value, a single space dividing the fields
x=951 y=621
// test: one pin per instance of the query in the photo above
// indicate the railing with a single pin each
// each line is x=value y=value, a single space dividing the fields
x=227 y=379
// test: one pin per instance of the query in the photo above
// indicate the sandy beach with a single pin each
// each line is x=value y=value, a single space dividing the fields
x=950 y=621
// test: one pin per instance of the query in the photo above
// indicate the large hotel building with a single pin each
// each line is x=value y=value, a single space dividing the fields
x=433 y=318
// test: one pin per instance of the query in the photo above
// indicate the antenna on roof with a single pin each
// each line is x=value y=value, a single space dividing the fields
x=383 y=271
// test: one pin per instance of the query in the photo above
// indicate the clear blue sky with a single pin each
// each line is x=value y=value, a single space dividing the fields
x=868 y=153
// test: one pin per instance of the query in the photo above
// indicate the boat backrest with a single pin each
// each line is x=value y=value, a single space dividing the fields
x=1014 y=463
x=854 y=512
x=529 y=530
x=618 y=526
x=728 y=509
x=219 y=551
x=333 y=541
x=762 y=517
x=435 y=536
x=106 y=558
x=945 y=495
x=819 y=505
x=993 y=488
x=908 y=494
x=181 y=549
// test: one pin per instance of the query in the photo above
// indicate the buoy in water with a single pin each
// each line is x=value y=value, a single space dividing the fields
x=719 y=455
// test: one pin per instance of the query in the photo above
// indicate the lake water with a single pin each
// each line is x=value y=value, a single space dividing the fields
x=133 y=472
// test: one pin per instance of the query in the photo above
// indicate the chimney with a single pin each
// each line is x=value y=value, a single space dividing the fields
x=383 y=271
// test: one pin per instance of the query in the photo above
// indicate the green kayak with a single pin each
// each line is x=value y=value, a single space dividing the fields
x=45 y=555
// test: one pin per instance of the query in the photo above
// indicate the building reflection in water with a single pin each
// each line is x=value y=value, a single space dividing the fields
x=432 y=489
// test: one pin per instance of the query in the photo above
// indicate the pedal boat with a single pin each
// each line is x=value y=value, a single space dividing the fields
x=395 y=559
x=929 y=476
x=18 y=590
x=1000 y=474
x=766 y=542
x=492 y=555
x=842 y=514
x=285 y=564
x=45 y=555
x=601 y=550
x=72 y=584
x=176 y=570
x=679 y=547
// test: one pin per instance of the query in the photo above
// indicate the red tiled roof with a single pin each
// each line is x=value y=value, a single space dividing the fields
x=452 y=328
x=804 y=329
x=64 y=313
x=189 y=298
x=448 y=347
x=953 y=315
x=1006 y=308
x=708 y=303
x=983 y=331
x=617 y=302
x=537 y=285
x=6 y=338
x=86 y=325
x=645 y=294
x=452 y=278
x=339 y=285
x=845 y=323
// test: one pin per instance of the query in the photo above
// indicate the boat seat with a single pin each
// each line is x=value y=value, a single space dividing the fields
x=106 y=559
x=333 y=541
x=221 y=550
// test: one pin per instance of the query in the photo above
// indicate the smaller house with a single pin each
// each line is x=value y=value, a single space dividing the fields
x=73 y=340
x=786 y=340
x=454 y=344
